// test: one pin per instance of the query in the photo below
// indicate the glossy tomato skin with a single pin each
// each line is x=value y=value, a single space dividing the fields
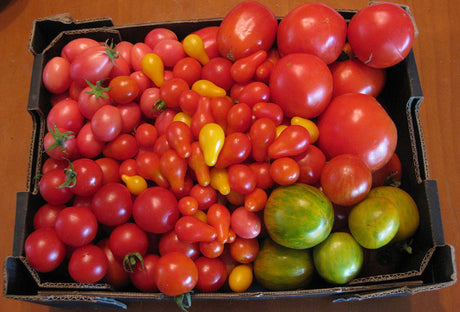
x=126 y=239
x=88 y=264
x=56 y=75
x=381 y=35
x=357 y=124
x=313 y=28
x=49 y=187
x=155 y=210
x=212 y=274
x=112 y=204
x=353 y=76
x=247 y=28
x=93 y=64
x=76 y=226
x=44 y=250
x=143 y=276
x=301 y=84
x=175 y=274
x=116 y=275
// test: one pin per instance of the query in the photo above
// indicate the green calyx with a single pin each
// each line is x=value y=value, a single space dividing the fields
x=111 y=52
x=59 y=139
x=184 y=301
x=71 y=174
x=130 y=260
x=98 y=90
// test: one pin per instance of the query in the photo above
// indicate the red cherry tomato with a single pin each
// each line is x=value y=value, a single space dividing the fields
x=88 y=264
x=44 y=250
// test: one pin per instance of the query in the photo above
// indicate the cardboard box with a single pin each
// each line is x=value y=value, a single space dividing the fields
x=430 y=266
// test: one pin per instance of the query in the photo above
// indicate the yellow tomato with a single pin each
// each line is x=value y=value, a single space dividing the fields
x=311 y=127
x=240 y=278
x=135 y=184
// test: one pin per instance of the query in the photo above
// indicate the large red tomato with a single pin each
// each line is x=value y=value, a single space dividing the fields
x=301 y=84
x=248 y=27
x=381 y=34
x=356 y=123
x=313 y=28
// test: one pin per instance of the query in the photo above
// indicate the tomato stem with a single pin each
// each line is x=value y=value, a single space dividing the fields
x=59 y=139
x=159 y=106
x=130 y=260
x=71 y=174
x=184 y=301
x=111 y=52
x=98 y=90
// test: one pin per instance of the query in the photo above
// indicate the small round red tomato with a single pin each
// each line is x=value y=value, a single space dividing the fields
x=205 y=195
x=157 y=34
x=50 y=190
x=284 y=171
x=313 y=28
x=346 y=179
x=88 y=145
x=212 y=249
x=51 y=164
x=56 y=75
x=88 y=177
x=248 y=27
x=357 y=124
x=246 y=224
x=212 y=274
x=188 y=205
x=170 y=91
x=131 y=116
x=88 y=264
x=155 y=210
x=217 y=70
x=109 y=167
x=122 y=147
x=169 y=242
x=142 y=276
x=170 y=51
x=175 y=274
x=244 y=250
x=146 y=135
x=124 y=51
x=254 y=92
x=44 y=250
x=241 y=178
x=311 y=163
x=239 y=118
x=301 y=84
x=66 y=115
x=188 y=69
x=77 y=46
x=112 y=204
x=138 y=51
x=46 y=216
x=76 y=226
x=262 y=171
x=123 y=89
x=381 y=35
x=60 y=144
x=127 y=240
x=188 y=101
x=106 y=123
x=147 y=102
x=353 y=76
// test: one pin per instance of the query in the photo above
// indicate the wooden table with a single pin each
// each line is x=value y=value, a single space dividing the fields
x=437 y=52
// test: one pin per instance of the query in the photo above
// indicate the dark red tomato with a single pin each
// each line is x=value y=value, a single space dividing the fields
x=46 y=216
x=390 y=174
x=44 y=250
x=346 y=179
x=60 y=144
x=146 y=135
x=116 y=275
x=123 y=89
x=381 y=35
x=175 y=274
x=188 y=69
x=313 y=28
x=169 y=242
x=241 y=178
x=244 y=250
x=187 y=205
x=205 y=195
x=155 y=210
x=128 y=167
x=88 y=264
x=340 y=218
x=112 y=204
x=188 y=101
x=51 y=164
x=107 y=123
x=220 y=106
x=357 y=124
x=262 y=172
x=121 y=67
x=82 y=201
x=209 y=37
x=353 y=76
x=157 y=34
x=93 y=64
x=110 y=169
x=268 y=110
x=65 y=114
x=217 y=70
x=87 y=175
x=170 y=51
x=239 y=118
x=246 y=224
x=301 y=84
x=253 y=93
x=212 y=274
x=50 y=190
x=311 y=163
x=76 y=226
x=248 y=27
x=147 y=103
x=171 y=90
x=212 y=249
x=56 y=75
x=77 y=46
x=127 y=239
x=122 y=147
x=142 y=276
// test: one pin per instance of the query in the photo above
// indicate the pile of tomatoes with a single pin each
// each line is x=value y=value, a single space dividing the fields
x=161 y=154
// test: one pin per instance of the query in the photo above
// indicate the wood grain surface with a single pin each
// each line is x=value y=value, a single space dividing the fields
x=437 y=52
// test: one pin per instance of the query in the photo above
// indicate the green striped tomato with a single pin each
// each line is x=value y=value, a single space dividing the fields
x=298 y=216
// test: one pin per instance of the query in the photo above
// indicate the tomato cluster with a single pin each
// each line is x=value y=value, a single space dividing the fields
x=161 y=154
